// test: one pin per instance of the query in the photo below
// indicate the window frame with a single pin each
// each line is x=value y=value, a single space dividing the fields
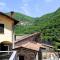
x=2 y=28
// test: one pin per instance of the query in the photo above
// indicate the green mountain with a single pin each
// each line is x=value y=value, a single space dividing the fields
x=48 y=25
x=21 y=17
x=24 y=23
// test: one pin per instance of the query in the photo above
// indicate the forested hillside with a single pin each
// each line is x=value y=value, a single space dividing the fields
x=48 y=25
x=25 y=22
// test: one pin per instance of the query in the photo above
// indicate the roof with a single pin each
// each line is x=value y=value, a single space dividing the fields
x=31 y=46
x=47 y=45
x=20 y=38
x=15 y=21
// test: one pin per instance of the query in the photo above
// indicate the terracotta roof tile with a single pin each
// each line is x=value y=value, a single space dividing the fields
x=30 y=45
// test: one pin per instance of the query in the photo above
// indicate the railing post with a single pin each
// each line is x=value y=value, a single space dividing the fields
x=37 y=56
x=13 y=55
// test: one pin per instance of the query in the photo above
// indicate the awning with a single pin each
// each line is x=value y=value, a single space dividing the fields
x=6 y=42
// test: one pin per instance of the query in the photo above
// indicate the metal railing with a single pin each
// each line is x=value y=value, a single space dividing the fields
x=10 y=55
x=13 y=56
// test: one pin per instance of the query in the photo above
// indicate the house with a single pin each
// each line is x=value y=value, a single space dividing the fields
x=27 y=47
x=7 y=24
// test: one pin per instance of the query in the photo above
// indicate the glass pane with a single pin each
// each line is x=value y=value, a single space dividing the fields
x=1 y=28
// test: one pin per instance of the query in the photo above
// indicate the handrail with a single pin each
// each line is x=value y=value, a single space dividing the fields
x=6 y=51
x=13 y=55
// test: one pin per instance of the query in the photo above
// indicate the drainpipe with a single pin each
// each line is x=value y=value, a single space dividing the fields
x=13 y=38
x=13 y=34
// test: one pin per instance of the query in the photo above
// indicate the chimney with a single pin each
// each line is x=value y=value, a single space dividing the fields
x=12 y=13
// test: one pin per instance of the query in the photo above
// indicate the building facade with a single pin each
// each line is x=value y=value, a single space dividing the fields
x=29 y=47
x=7 y=24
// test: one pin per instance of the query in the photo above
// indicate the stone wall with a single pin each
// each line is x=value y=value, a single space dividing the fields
x=28 y=54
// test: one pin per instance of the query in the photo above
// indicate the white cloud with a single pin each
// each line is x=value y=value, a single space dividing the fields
x=2 y=4
x=26 y=1
x=25 y=10
x=25 y=4
x=3 y=7
x=48 y=1
x=25 y=7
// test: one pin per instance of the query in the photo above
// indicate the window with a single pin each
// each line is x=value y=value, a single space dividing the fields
x=4 y=47
x=21 y=57
x=2 y=28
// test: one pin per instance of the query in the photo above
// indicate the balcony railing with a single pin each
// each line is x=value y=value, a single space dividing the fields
x=7 y=55
x=13 y=56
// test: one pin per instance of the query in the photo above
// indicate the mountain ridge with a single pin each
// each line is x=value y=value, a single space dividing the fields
x=48 y=25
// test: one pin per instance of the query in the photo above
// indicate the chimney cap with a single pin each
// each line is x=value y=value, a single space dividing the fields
x=12 y=11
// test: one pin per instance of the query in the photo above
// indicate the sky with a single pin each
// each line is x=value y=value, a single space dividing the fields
x=33 y=8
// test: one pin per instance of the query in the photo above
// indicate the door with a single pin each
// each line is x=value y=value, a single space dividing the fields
x=21 y=57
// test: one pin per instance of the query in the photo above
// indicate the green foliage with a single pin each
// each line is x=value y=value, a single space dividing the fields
x=48 y=25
